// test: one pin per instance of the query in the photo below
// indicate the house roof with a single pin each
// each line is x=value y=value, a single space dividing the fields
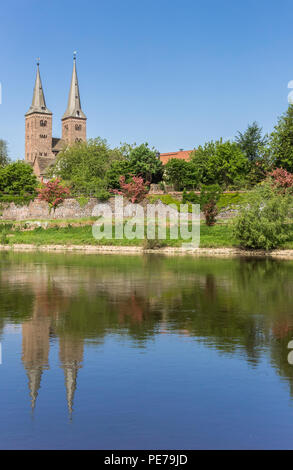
x=181 y=155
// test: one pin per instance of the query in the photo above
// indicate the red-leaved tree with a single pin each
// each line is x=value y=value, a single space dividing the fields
x=135 y=191
x=282 y=179
x=53 y=192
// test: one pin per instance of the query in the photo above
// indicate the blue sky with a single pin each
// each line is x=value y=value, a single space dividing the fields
x=172 y=73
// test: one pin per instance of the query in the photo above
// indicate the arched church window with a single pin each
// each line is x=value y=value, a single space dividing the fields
x=78 y=127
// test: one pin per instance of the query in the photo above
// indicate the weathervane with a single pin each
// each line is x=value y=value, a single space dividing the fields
x=38 y=61
x=74 y=55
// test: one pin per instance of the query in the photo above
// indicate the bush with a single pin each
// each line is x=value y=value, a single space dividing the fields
x=282 y=180
x=103 y=195
x=53 y=192
x=262 y=223
x=190 y=197
x=209 y=197
x=135 y=191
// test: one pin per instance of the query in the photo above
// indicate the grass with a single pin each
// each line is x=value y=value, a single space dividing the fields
x=79 y=232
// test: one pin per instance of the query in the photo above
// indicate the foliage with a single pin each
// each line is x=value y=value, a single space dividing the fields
x=282 y=180
x=103 y=195
x=180 y=173
x=18 y=200
x=135 y=191
x=82 y=201
x=258 y=170
x=117 y=169
x=17 y=178
x=252 y=142
x=53 y=192
x=165 y=199
x=281 y=142
x=4 y=160
x=145 y=162
x=190 y=197
x=231 y=199
x=262 y=223
x=222 y=163
x=209 y=197
x=84 y=165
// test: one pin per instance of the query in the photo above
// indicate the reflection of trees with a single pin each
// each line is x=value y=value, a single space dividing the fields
x=238 y=306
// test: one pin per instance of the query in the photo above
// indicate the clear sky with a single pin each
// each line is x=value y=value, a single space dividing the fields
x=173 y=73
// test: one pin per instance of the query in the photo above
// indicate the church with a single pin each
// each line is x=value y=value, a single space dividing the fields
x=41 y=148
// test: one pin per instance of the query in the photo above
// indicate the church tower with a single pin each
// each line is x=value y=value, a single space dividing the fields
x=38 y=125
x=74 y=119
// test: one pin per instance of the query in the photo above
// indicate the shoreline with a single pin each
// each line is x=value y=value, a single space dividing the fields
x=129 y=250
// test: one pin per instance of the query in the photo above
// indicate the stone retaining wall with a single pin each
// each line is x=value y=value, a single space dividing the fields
x=69 y=209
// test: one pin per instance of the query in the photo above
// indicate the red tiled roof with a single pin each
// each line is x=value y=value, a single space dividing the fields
x=181 y=155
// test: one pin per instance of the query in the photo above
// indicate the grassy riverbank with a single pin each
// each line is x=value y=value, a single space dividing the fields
x=64 y=233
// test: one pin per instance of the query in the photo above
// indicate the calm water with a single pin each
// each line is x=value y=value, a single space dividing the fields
x=132 y=352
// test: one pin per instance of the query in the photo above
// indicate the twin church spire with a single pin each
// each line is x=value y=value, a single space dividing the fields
x=73 y=107
x=38 y=103
x=41 y=148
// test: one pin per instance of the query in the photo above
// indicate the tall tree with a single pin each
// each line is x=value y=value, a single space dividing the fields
x=220 y=163
x=252 y=141
x=281 y=142
x=4 y=160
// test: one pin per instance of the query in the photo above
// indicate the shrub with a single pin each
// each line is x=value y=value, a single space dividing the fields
x=190 y=197
x=53 y=192
x=209 y=197
x=135 y=191
x=282 y=180
x=262 y=223
x=103 y=195
x=82 y=201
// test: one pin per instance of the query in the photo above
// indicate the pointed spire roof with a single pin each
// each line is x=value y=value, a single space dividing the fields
x=70 y=373
x=34 y=382
x=74 y=106
x=38 y=103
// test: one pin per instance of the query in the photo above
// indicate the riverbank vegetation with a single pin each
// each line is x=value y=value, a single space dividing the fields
x=255 y=169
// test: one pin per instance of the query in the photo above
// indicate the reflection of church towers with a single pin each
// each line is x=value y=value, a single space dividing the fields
x=35 y=351
x=71 y=356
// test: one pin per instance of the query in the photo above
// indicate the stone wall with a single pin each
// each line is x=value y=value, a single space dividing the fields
x=72 y=209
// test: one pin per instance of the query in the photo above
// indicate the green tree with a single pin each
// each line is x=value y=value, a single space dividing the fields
x=221 y=163
x=85 y=164
x=281 y=142
x=18 y=178
x=4 y=160
x=252 y=142
x=117 y=169
x=180 y=173
x=145 y=162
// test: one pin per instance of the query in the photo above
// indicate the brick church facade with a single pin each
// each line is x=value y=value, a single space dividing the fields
x=41 y=148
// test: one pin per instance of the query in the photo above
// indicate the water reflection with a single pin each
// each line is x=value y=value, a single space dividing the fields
x=240 y=307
